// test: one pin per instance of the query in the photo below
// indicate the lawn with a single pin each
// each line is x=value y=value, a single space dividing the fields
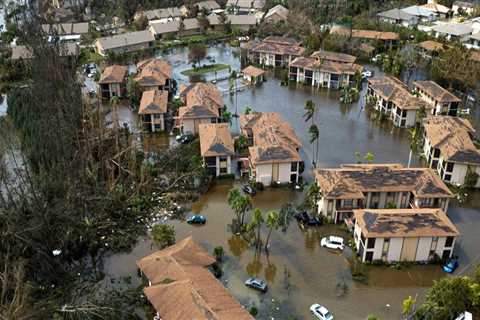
x=205 y=69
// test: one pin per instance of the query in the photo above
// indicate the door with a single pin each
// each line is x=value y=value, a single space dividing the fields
x=275 y=170
x=409 y=249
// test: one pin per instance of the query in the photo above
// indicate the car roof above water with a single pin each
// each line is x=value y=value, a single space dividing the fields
x=335 y=238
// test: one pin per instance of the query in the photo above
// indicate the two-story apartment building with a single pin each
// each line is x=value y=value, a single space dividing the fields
x=203 y=103
x=441 y=101
x=125 y=42
x=325 y=69
x=274 y=146
x=113 y=82
x=216 y=147
x=154 y=74
x=449 y=149
x=152 y=110
x=391 y=97
x=413 y=235
x=274 y=51
x=378 y=186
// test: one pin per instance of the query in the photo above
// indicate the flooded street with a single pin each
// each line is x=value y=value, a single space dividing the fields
x=298 y=271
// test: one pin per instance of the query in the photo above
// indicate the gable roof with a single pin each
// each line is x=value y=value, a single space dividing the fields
x=202 y=100
x=208 y=4
x=326 y=66
x=278 y=45
x=435 y=91
x=66 y=28
x=352 y=181
x=455 y=29
x=419 y=11
x=153 y=102
x=333 y=56
x=153 y=72
x=278 y=10
x=397 y=14
x=435 y=7
x=452 y=136
x=161 y=13
x=215 y=140
x=387 y=223
x=431 y=45
x=394 y=90
x=113 y=74
x=375 y=35
x=126 y=39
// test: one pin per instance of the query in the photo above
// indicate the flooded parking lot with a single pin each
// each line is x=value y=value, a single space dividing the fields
x=298 y=271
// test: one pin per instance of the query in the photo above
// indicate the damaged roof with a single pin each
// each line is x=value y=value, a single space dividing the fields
x=215 y=139
x=153 y=102
x=394 y=90
x=435 y=91
x=387 y=223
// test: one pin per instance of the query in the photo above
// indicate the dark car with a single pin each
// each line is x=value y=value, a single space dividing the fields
x=450 y=266
x=256 y=284
x=249 y=190
x=307 y=219
x=186 y=138
x=196 y=219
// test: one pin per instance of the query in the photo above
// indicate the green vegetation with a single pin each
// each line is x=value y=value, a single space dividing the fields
x=218 y=253
x=163 y=235
x=207 y=68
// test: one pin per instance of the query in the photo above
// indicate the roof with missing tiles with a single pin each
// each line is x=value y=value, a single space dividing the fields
x=153 y=102
x=215 y=140
x=452 y=136
x=437 y=92
x=393 y=90
x=353 y=181
x=387 y=223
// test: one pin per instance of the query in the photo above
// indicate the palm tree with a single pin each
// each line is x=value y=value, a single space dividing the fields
x=273 y=223
x=309 y=110
x=314 y=135
x=414 y=137
x=240 y=204
x=256 y=225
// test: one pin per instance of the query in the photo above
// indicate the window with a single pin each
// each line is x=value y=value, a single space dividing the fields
x=449 y=167
x=371 y=243
x=157 y=116
x=158 y=126
x=446 y=255
x=436 y=153
x=330 y=206
x=433 y=246
x=447 y=177
x=449 y=242
x=348 y=203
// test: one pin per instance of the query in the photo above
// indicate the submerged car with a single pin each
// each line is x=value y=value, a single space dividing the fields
x=256 y=284
x=249 y=190
x=305 y=218
x=366 y=74
x=320 y=312
x=196 y=219
x=333 y=242
x=450 y=266
x=185 y=138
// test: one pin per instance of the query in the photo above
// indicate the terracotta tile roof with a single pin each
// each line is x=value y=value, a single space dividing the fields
x=253 y=71
x=183 y=288
x=352 y=181
x=153 y=102
x=153 y=72
x=113 y=74
x=394 y=90
x=375 y=35
x=334 y=56
x=326 y=66
x=388 y=223
x=215 y=140
x=431 y=45
x=435 y=7
x=452 y=135
x=274 y=140
x=436 y=91
x=278 y=45
x=202 y=100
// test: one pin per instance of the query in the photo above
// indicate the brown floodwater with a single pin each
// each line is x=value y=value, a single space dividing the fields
x=298 y=271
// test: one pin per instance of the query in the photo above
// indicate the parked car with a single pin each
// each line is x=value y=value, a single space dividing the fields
x=249 y=190
x=196 y=219
x=450 y=266
x=305 y=218
x=320 y=312
x=333 y=242
x=185 y=138
x=366 y=74
x=256 y=284
x=465 y=316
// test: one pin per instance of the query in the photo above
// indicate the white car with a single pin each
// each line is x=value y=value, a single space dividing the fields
x=366 y=74
x=320 y=312
x=333 y=242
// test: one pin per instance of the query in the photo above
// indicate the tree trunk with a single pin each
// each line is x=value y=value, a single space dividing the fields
x=268 y=239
